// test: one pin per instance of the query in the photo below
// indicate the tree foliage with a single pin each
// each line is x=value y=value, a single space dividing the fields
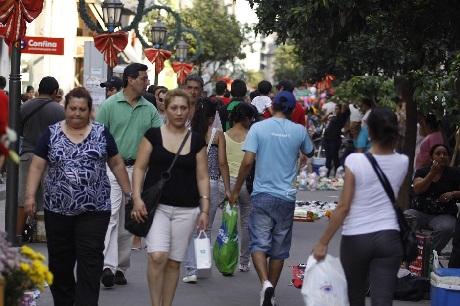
x=378 y=88
x=287 y=64
x=351 y=37
x=222 y=36
x=221 y=33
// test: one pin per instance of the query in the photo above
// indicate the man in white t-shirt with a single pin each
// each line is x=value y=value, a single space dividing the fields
x=274 y=144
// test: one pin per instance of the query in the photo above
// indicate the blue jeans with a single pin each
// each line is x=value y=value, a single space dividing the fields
x=270 y=225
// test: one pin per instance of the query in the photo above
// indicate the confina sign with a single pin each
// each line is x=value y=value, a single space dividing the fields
x=42 y=45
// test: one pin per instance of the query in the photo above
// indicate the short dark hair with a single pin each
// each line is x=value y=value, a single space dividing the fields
x=195 y=77
x=151 y=88
x=160 y=89
x=285 y=85
x=433 y=148
x=254 y=94
x=2 y=82
x=79 y=92
x=48 y=85
x=132 y=70
x=221 y=86
x=239 y=88
x=241 y=112
x=264 y=87
x=29 y=88
x=383 y=126
x=368 y=102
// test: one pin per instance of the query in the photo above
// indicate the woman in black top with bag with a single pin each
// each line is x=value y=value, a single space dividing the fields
x=179 y=211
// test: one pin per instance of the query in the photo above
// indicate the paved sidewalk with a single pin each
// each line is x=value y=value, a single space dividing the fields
x=240 y=290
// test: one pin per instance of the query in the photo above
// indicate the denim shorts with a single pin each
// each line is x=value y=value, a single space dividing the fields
x=270 y=225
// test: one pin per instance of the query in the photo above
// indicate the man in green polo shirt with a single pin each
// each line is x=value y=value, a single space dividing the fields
x=128 y=115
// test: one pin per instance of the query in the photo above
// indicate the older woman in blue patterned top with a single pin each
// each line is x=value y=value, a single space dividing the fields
x=76 y=198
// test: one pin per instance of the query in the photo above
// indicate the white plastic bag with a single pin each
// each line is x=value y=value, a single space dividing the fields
x=324 y=283
x=202 y=251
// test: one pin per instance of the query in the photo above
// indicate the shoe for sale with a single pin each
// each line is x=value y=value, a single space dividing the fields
x=244 y=268
x=107 y=278
x=191 y=279
x=120 y=279
x=266 y=295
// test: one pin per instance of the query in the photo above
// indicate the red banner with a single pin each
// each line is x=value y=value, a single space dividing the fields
x=42 y=45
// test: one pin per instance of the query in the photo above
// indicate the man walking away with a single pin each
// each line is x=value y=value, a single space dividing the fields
x=36 y=115
x=275 y=144
x=128 y=115
x=238 y=91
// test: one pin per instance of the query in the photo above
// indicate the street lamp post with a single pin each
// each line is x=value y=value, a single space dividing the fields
x=159 y=32
x=111 y=13
x=181 y=50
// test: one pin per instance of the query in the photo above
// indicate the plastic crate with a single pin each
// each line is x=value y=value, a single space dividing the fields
x=445 y=287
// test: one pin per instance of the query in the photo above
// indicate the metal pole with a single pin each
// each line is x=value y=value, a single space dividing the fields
x=12 y=181
x=109 y=72
x=156 y=79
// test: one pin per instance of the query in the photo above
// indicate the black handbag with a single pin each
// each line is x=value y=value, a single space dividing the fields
x=151 y=197
x=408 y=238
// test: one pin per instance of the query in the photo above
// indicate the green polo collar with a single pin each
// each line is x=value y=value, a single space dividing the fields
x=120 y=97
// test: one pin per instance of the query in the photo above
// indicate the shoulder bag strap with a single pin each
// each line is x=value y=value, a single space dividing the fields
x=33 y=112
x=178 y=152
x=382 y=178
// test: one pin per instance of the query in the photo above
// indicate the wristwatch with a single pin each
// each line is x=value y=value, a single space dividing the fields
x=128 y=196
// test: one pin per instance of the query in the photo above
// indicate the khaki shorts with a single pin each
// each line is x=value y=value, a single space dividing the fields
x=24 y=164
x=171 y=230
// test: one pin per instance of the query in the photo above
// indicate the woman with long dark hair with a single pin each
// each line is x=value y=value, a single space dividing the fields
x=371 y=247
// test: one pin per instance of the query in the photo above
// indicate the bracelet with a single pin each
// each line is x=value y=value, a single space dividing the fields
x=204 y=212
x=204 y=197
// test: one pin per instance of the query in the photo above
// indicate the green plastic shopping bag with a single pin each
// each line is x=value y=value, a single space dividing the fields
x=225 y=249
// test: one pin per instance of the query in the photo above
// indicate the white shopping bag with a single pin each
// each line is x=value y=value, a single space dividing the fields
x=202 y=251
x=324 y=283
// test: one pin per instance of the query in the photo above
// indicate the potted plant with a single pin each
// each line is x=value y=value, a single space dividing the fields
x=22 y=269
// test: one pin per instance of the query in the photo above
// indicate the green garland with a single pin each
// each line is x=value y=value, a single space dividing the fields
x=177 y=31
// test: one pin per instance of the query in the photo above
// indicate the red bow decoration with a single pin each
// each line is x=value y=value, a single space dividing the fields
x=182 y=70
x=110 y=44
x=15 y=13
x=157 y=57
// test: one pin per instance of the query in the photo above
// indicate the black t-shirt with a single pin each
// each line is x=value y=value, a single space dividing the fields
x=428 y=202
x=182 y=189
x=334 y=128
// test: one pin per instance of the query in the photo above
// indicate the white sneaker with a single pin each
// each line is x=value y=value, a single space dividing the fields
x=244 y=268
x=191 y=279
x=266 y=294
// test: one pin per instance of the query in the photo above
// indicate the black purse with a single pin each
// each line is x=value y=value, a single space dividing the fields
x=408 y=238
x=151 y=197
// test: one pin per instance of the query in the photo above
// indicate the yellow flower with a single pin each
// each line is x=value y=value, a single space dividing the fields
x=24 y=267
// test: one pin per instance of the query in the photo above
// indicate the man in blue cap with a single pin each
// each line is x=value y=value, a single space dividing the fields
x=274 y=144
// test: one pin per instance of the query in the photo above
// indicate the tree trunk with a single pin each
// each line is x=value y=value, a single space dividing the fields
x=406 y=89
